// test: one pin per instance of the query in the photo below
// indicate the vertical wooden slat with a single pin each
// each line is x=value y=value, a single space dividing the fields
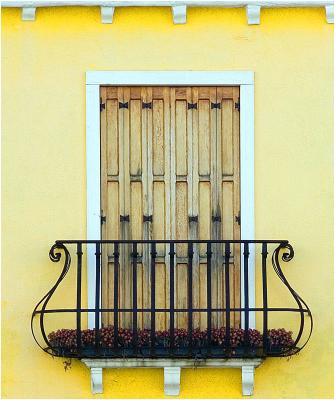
x=188 y=149
x=203 y=295
x=162 y=288
x=136 y=144
x=214 y=202
x=136 y=233
x=227 y=137
x=168 y=134
x=147 y=275
x=173 y=229
x=181 y=138
x=220 y=272
x=204 y=134
x=204 y=234
x=122 y=256
x=228 y=230
x=112 y=232
x=159 y=215
x=127 y=282
x=194 y=225
x=104 y=203
x=112 y=139
x=237 y=205
x=146 y=225
x=158 y=138
x=182 y=233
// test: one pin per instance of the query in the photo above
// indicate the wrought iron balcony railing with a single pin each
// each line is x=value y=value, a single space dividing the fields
x=120 y=330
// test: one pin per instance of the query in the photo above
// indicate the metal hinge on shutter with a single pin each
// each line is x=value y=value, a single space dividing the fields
x=237 y=105
x=238 y=218
x=123 y=105
x=191 y=106
x=102 y=218
x=215 y=105
x=147 y=105
x=102 y=105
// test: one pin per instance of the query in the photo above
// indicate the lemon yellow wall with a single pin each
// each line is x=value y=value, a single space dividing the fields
x=43 y=97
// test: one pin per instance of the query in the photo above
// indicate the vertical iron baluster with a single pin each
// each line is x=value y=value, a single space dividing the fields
x=134 y=256
x=97 y=293
x=246 y=295
x=209 y=297
x=116 y=293
x=227 y=293
x=172 y=254
x=79 y=266
x=265 y=298
x=153 y=298
x=189 y=294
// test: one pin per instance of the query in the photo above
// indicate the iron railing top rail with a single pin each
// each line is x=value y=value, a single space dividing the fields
x=167 y=241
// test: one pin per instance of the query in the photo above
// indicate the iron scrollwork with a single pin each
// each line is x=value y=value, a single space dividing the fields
x=40 y=308
x=214 y=342
x=286 y=257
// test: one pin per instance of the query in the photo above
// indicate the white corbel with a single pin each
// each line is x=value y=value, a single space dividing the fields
x=107 y=15
x=179 y=14
x=172 y=381
x=330 y=14
x=28 y=13
x=96 y=380
x=247 y=380
x=253 y=14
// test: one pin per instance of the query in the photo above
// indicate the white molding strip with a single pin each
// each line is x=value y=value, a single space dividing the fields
x=167 y=3
x=247 y=193
x=93 y=187
x=167 y=78
x=179 y=7
x=172 y=370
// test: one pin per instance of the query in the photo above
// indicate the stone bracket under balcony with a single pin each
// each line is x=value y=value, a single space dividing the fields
x=172 y=370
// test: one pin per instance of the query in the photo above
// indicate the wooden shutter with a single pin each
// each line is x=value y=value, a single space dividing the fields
x=170 y=169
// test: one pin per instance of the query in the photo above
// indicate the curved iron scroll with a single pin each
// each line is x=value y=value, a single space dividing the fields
x=283 y=252
x=54 y=257
x=286 y=257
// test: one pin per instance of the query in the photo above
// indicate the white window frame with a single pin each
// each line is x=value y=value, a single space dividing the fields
x=243 y=79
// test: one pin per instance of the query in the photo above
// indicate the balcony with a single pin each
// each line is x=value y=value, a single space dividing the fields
x=210 y=331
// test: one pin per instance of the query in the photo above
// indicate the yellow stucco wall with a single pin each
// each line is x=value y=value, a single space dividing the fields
x=44 y=64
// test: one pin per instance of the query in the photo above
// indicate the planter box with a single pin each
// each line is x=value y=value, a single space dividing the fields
x=162 y=351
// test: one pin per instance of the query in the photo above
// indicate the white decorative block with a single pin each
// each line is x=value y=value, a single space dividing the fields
x=96 y=380
x=172 y=381
x=330 y=14
x=179 y=14
x=28 y=13
x=253 y=15
x=247 y=380
x=107 y=15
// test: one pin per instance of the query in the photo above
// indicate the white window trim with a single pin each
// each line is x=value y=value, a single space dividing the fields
x=244 y=79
